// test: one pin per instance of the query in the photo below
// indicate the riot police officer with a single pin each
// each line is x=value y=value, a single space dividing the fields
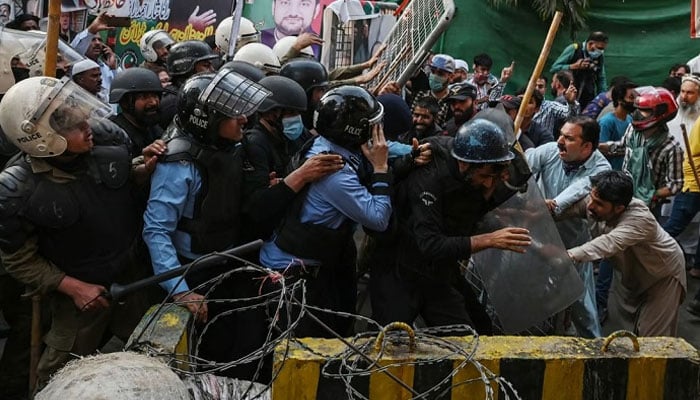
x=269 y=145
x=155 y=47
x=194 y=203
x=69 y=221
x=313 y=77
x=184 y=60
x=315 y=238
x=138 y=92
x=436 y=210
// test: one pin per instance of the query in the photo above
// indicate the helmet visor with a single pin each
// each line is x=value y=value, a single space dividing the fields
x=65 y=108
x=233 y=95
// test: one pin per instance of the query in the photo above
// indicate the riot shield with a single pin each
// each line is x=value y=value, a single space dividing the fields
x=526 y=289
x=27 y=50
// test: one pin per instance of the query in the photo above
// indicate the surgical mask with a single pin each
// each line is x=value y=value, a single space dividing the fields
x=595 y=54
x=292 y=127
x=628 y=106
x=436 y=83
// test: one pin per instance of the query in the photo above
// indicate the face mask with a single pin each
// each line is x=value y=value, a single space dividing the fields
x=436 y=83
x=595 y=54
x=292 y=127
x=628 y=106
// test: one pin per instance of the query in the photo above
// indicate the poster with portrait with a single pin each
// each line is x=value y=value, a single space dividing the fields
x=7 y=12
x=280 y=18
x=183 y=20
x=277 y=19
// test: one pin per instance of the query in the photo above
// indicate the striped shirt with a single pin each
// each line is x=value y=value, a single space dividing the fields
x=444 y=112
x=553 y=114
x=666 y=160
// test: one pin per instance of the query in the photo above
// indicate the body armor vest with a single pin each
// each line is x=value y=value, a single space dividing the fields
x=215 y=224
x=86 y=226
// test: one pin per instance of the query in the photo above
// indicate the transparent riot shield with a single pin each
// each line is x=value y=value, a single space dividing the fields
x=526 y=289
x=27 y=51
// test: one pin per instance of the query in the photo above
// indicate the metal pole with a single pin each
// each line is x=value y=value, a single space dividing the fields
x=235 y=27
x=52 y=38
x=117 y=291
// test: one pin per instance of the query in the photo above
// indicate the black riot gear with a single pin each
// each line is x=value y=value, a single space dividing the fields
x=286 y=94
x=345 y=116
x=134 y=80
x=309 y=74
x=184 y=55
x=206 y=99
x=481 y=141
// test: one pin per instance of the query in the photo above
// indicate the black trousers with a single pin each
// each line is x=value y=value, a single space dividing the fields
x=440 y=299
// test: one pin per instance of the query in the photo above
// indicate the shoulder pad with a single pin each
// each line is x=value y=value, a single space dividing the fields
x=180 y=148
x=107 y=133
x=16 y=185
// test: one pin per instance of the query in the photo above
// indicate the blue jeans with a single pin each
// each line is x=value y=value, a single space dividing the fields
x=584 y=312
x=685 y=206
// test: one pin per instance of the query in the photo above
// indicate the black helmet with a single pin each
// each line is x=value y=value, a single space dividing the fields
x=134 y=80
x=246 y=69
x=205 y=99
x=308 y=73
x=184 y=55
x=346 y=114
x=286 y=94
x=481 y=141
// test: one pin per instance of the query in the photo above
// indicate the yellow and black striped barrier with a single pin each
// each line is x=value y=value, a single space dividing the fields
x=539 y=368
x=164 y=329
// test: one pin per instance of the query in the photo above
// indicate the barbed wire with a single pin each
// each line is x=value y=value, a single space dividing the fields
x=284 y=298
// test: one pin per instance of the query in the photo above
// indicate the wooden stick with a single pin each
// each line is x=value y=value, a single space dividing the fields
x=35 y=341
x=52 y=38
x=690 y=154
x=546 y=48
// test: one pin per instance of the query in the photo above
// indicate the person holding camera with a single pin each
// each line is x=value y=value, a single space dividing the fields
x=587 y=63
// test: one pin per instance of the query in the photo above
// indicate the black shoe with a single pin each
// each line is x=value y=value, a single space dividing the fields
x=694 y=307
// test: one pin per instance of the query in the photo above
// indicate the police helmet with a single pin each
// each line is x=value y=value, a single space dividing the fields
x=310 y=74
x=286 y=94
x=345 y=116
x=184 y=55
x=205 y=99
x=481 y=141
x=134 y=80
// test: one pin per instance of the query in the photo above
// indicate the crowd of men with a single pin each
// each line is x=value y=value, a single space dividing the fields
x=121 y=174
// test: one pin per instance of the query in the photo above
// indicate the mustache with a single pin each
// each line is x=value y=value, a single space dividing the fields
x=561 y=147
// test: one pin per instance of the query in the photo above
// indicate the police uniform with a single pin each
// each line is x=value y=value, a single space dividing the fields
x=416 y=272
x=75 y=219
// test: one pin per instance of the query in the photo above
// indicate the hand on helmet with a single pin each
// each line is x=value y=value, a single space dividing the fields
x=376 y=150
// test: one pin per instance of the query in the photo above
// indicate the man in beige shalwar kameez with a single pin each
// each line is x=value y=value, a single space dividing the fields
x=651 y=263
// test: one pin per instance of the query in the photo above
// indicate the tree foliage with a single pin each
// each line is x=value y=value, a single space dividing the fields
x=574 y=10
